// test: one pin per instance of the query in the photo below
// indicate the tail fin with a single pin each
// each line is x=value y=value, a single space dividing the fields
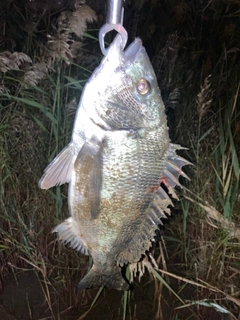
x=109 y=278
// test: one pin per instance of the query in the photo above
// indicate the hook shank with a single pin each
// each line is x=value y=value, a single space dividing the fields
x=115 y=12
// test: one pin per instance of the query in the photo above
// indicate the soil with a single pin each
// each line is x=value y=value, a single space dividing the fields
x=23 y=299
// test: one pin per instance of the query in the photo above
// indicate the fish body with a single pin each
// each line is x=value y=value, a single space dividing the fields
x=100 y=109
x=120 y=155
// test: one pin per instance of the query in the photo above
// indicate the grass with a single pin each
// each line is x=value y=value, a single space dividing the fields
x=194 y=49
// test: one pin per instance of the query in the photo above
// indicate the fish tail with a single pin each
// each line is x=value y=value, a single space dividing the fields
x=109 y=278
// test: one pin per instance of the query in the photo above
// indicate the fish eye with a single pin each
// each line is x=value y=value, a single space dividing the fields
x=143 y=86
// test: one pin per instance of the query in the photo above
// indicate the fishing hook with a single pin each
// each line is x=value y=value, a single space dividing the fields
x=114 y=22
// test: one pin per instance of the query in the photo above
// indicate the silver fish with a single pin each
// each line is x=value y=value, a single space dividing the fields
x=119 y=156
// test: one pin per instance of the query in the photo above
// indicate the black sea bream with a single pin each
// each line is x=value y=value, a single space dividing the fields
x=119 y=155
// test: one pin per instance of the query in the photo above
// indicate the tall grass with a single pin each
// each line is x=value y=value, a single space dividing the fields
x=36 y=117
x=205 y=239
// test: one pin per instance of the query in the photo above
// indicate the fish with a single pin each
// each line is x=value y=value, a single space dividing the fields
x=120 y=164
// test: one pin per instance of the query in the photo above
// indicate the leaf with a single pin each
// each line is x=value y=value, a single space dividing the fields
x=37 y=105
x=160 y=278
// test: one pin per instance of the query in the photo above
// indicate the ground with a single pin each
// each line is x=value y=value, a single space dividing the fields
x=23 y=298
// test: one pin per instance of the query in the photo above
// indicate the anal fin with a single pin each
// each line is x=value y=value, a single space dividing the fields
x=68 y=232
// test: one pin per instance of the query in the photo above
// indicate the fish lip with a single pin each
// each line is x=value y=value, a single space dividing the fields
x=133 y=49
x=130 y=52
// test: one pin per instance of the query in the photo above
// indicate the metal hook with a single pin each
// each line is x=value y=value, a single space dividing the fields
x=107 y=28
x=114 y=22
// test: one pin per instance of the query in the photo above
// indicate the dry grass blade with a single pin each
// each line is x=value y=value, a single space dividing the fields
x=227 y=296
x=194 y=283
x=214 y=214
x=203 y=285
x=210 y=304
x=93 y=303
x=3 y=89
x=43 y=270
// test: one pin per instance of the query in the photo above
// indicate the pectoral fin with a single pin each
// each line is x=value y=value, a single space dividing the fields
x=59 y=170
x=88 y=174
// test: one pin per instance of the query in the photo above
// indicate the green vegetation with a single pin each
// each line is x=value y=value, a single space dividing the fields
x=46 y=56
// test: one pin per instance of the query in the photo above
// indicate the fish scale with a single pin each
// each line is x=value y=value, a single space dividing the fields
x=119 y=157
x=126 y=195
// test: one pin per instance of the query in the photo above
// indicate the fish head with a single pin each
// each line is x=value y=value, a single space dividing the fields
x=123 y=91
